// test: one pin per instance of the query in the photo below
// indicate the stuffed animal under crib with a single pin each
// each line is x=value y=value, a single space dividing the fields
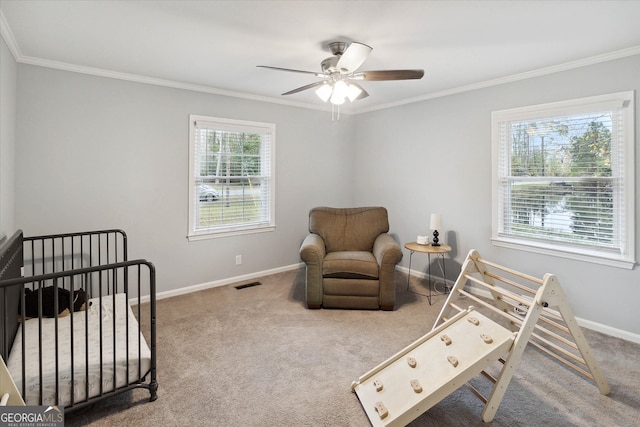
x=48 y=309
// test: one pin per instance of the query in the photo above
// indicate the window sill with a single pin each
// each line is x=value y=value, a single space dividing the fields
x=228 y=233
x=570 y=253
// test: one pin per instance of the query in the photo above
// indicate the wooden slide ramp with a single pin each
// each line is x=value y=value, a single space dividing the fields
x=421 y=375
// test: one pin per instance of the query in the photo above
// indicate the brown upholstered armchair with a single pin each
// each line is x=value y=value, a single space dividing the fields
x=350 y=259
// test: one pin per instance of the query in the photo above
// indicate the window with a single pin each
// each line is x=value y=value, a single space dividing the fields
x=563 y=179
x=231 y=179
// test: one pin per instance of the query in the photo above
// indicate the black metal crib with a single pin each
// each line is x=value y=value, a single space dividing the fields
x=76 y=358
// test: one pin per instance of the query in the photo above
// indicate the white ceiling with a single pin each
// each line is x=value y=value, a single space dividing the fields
x=215 y=45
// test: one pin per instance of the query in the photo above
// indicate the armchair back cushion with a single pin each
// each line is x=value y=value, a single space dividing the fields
x=348 y=229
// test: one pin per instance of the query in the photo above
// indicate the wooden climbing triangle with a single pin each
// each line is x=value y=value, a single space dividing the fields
x=490 y=316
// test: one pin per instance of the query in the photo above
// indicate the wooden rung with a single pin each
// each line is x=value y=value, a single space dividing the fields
x=511 y=271
x=560 y=349
x=476 y=280
x=485 y=304
x=523 y=301
x=518 y=321
x=499 y=290
x=457 y=307
x=489 y=376
x=560 y=359
x=551 y=312
x=510 y=282
x=558 y=337
x=477 y=393
x=555 y=324
x=520 y=300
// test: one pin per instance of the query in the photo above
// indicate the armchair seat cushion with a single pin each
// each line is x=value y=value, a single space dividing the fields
x=350 y=265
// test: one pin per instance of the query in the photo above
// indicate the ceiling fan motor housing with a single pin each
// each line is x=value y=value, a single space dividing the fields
x=337 y=48
x=330 y=65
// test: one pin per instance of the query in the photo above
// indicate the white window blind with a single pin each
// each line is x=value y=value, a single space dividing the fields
x=231 y=176
x=563 y=178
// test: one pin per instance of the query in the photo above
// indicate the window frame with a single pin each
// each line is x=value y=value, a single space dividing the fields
x=237 y=228
x=622 y=257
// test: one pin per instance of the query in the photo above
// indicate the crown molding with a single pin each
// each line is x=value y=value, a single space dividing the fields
x=165 y=83
x=610 y=56
x=100 y=72
x=19 y=57
x=7 y=35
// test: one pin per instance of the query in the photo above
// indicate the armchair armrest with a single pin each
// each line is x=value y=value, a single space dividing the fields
x=386 y=250
x=312 y=249
x=388 y=253
x=312 y=252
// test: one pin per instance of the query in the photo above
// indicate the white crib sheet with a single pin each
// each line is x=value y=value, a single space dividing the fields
x=79 y=354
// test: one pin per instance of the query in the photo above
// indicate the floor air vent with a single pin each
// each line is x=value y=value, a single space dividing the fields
x=248 y=285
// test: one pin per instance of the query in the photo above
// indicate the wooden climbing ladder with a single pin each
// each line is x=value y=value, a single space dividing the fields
x=490 y=316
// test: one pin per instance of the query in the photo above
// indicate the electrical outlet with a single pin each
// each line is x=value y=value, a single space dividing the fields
x=238 y=259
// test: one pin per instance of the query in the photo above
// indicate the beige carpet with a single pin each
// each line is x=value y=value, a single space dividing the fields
x=258 y=357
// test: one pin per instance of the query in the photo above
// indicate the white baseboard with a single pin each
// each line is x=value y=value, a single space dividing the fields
x=584 y=323
x=422 y=275
x=221 y=282
x=608 y=330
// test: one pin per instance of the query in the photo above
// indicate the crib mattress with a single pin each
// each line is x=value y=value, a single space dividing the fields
x=100 y=360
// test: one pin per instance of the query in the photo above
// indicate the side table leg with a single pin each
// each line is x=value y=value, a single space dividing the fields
x=444 y=275
x=429 y=261
x=443 y=269
x=409 y=274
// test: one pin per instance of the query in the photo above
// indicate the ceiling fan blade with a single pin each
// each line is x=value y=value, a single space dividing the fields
x=291 y=70
x=389 y=75
x=363 y=93
x=353 y=57
x=300 y=89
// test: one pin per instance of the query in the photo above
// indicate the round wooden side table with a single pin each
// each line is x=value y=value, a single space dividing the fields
x=428 y=249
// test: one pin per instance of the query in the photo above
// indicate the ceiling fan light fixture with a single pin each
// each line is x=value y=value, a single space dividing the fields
x=324 y=92
x=340 y=91
x=337 y=100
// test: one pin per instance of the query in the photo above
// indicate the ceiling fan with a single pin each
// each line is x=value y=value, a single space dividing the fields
x=340 y=74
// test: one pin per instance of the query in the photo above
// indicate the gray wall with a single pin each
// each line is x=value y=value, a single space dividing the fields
x=93 y=152
x=435 y=156
x=8 y=79
x=97 y=153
